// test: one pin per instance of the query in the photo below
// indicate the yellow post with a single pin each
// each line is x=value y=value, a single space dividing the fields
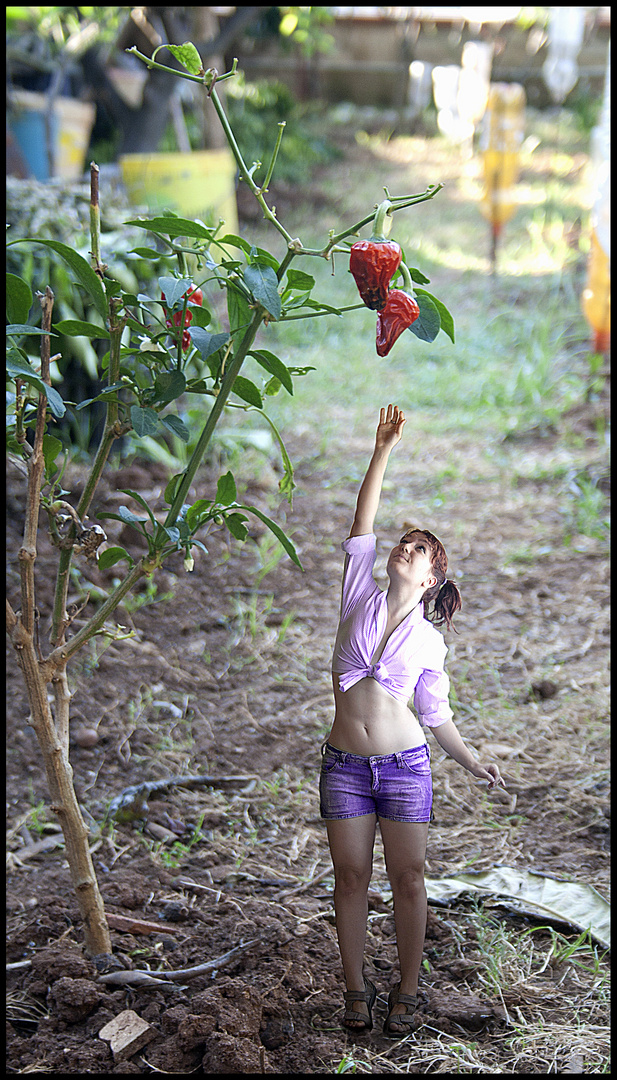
x=500 y=144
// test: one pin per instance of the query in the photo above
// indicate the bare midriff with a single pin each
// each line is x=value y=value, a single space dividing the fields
x=369 y=721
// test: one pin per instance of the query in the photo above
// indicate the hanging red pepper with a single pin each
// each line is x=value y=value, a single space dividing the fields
x=374 y=262
x=400 y=312
x=195 y=296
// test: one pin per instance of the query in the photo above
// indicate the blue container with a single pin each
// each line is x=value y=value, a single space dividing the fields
x=28 y=129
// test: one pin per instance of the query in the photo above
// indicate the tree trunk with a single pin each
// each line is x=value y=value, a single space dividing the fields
x=63 y=799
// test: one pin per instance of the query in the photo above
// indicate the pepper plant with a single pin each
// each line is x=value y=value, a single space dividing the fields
x=161 y=347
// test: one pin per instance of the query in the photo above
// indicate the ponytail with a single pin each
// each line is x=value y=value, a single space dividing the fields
x=444 y=595
x=446 y=600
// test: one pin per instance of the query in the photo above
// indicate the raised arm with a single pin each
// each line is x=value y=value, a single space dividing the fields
x=389 y=432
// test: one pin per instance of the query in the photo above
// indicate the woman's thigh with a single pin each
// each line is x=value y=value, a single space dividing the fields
x=351 y=843
x=404 y=844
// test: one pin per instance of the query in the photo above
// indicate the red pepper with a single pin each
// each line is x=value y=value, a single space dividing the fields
x=374 y=262
x=399 y=313
x=195 y=296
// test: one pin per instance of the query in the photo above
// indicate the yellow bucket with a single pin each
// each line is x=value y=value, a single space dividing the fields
x=200 y=184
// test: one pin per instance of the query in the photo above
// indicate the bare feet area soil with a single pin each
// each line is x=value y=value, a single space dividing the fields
x=230 y=679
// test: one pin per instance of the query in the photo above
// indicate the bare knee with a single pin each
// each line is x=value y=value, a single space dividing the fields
x=351 y=880
x=408 y=884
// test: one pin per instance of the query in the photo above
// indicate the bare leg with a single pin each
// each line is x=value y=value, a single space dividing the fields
x=351 y=846
x=405 y=850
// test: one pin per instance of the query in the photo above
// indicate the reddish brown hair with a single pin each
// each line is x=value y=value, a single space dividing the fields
x=444 y=595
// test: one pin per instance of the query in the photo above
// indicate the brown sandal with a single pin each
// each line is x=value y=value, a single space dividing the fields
x=405 y=1019
x=368 y=995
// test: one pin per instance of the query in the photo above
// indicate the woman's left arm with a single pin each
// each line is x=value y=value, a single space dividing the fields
x=448 y=737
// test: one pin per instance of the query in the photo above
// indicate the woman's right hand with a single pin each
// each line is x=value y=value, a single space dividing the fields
x=390 y=428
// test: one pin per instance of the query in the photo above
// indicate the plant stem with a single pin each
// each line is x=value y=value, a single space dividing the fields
x=399 y=204
x=63 y=653
x=36 y=468
x=95 y=220
x=264 y=186
x=316 y=314
x=112 y=430
x=269 y=214
x=215 y=412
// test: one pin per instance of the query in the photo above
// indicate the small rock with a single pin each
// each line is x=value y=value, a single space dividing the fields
x=126 y=1034
x=74 y=998
x=86 y=738
x=545 y=688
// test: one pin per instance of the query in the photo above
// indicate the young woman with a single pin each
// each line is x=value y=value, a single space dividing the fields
x=375 y=762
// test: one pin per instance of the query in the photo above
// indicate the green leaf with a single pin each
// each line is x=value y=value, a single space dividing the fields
x=104 y=394
x=56 y=403
x=226 y=491
x=286 y=484
x=112 y=555
x=176 y=426
x=261 y=255
x=247 y=390
x=418 y=276
x=146 y=253
x=144 y=421
x=18 y=368
x=236 y=526
x=174 y=289
x=76 y=328
x=168 y=386
x=142 y=502
x=17 y=329
x=19 y=299
x=235 y=241
x=206 y=342
x=51 y=448
x=428 y=324
x=274 y=366
x=127 y=515
x=173 y=533
x=201 y=315
x=173 y=226
x=82 y=270
x=188 y=56
x=278 y=532
x=238 y=310
x=297 y=279
x=172 y=487
x=447 y=322
x=198 y=513
x=262 y=281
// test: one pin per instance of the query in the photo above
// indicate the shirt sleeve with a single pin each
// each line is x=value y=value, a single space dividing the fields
x=358 y=580
x=432 y=689
x=431 y=698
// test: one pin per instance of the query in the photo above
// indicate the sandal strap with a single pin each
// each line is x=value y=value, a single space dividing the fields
x=365 y=995
x=406 y=999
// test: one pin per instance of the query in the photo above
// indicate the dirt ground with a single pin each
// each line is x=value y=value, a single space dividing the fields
x=227 y=674
x=233 y=681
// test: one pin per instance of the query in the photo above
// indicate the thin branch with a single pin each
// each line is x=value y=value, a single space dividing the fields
x=36 y=468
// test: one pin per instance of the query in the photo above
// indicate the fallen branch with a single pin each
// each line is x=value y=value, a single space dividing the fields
x=131 y=803
x=139 y=926
x=139 y=978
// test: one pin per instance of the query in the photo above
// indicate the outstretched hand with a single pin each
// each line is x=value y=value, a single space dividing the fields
x=390 y=427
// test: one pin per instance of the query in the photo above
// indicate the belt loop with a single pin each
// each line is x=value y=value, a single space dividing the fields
x=399 y=761
x=343 y=757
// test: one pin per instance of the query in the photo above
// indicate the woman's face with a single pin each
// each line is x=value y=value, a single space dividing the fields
x=410 y=561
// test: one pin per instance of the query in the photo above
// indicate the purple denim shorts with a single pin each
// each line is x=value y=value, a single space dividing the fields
x=395 y=786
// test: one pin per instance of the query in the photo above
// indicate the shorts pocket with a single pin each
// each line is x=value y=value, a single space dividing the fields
x=330 y=760
x=419 y=766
